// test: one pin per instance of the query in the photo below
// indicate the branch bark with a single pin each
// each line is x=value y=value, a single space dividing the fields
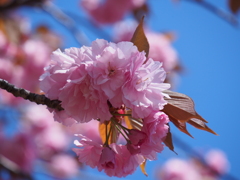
x=25 y=94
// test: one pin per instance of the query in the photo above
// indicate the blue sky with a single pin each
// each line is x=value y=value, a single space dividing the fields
x=209 y=50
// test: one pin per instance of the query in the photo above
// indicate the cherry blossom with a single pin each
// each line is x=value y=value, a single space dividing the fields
x=87 y=77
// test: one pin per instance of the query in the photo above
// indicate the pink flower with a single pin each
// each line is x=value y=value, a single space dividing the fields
x=50 y=136
x=142 y=91
x=137 y=137
x=115 y=160
x=107 y=158
x=217 y=161
x=109 y=11
x=86 y=79
x=125 y=163
x=63 y=166
x=20 y=150
x=67 y=80
x=90 y=153
x=156 y=128
x=176 y=169
x=33 y=63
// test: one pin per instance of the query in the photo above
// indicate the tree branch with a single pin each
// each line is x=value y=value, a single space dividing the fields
x=37 y=98
x=224 y=15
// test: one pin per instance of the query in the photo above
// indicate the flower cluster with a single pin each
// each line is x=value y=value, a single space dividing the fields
x=105 y=83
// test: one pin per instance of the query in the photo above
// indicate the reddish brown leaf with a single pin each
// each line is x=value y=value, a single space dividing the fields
x=139 y=39
x=168 y=140
x=180 y=107
x=142 y=167
x=113 y=134
x=198 y=123
x=234 y=5
x=181 y=126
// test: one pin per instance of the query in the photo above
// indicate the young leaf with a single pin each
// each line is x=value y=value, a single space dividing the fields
x=113 y=137
x=198 y=123
x=180 y=107
x=139 y=39
x=181 y=126
x=168 y=140
x=142 y=167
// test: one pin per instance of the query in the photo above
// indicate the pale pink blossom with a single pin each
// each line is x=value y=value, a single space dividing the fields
x=137 y=137
x=114 y=160
x=125 y=162
x=177 y=169
x=109 y=11
x=217 y=161
x=142 y=91
x=86 y=79
x=50 y=136
x=33 y=63
x=156 y=128
x=89 y=152
x=63 y=166
x=107 y=158
x=67 y=80
x=20 y=150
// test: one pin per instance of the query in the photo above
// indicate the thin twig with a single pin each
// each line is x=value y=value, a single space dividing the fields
x=25 y=94
x=66 y=21
x=231 y=19
x=194 y=154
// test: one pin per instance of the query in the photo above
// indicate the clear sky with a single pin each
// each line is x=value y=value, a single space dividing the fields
x=209 y=50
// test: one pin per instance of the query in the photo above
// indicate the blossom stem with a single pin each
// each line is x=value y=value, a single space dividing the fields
x=117 y=126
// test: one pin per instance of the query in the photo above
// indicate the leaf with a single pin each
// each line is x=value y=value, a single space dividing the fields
x=168 y=140
x=142 y=167
x=234 y=5
x=197 y=123
x=113 y=134
x=139 y=39
x=181 y=126
x=180 y=107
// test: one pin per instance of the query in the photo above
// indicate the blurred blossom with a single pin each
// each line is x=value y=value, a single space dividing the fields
x=215 y=165
x=50 y=136
x=217 y=161
x=19 y=149
x=63 y=166
x=177 y=169
x=109 y=11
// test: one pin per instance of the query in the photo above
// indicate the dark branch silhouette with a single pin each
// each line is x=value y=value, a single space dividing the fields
x=25 y=94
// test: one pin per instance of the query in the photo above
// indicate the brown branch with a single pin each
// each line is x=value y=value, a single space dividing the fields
x=11 y=5
x=25 y=94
